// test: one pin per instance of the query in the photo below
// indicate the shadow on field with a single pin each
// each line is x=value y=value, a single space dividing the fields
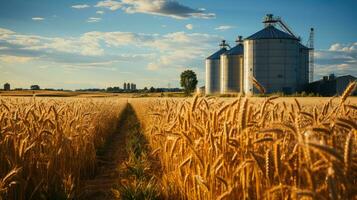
x=125 y=168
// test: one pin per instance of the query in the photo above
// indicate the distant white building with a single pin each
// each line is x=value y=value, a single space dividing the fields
x=200 y=90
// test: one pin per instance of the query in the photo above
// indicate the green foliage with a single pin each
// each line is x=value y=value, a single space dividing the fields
x=138 y=189
x=139 y=182
x=188 y=81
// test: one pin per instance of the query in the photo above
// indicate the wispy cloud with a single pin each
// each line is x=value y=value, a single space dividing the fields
x=177 y=49
x=173 y=50
x=15 y=59
x=80 y=6
x=100 y=12
x=38 y=18
x=94 y=19
x=110 y=4
x=189 y=26
x=224 y=27
x=168 y=8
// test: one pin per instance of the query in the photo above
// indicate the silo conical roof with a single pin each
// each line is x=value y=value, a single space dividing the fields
x=217 y=54
x=237 y=50
x=270 y=32
x=303 y=46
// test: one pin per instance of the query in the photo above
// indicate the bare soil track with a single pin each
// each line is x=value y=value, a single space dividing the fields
x=111 y=158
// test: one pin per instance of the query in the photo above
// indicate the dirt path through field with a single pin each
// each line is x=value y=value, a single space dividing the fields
x=114 y=159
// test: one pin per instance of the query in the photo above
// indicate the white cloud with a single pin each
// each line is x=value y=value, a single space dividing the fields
x=173 y=50
x=100 y=12
x=25 y=40
x=340 y=59
x=110 y=4
x=224 y=27
x=179 y=48
x=5 y=33
x=189 y=26
x=94 y=19
x=15 y=59
x=80 y=6
x=343 y=48
x=169 y=8
x=38 y=18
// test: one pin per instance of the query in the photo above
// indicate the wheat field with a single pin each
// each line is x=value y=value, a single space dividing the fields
x=48 y=145
x=240 y=149
x=205 y=147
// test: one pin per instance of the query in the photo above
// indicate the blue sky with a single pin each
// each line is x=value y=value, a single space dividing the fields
x=82 y=44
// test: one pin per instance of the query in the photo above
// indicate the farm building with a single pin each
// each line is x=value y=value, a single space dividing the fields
x=200 y=90
x=274 y=57
x=7 y=87
x=330 y=85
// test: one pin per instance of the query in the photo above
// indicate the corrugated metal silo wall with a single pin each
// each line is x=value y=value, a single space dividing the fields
x=213 y=76
x=274 y=63
x=231 y=66
x=248 y=67
x=303 y=69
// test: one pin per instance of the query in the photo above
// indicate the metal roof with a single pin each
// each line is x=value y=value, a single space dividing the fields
x=237 y=50
x=217 y=55
x=303 y=47
x=270 y=32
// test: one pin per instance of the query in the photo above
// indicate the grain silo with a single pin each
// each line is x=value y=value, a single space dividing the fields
x=275 y=58
x=213 y=70
x=232 y=69
x=303 y=70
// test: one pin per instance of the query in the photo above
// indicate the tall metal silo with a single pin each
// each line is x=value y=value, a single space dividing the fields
x=232 y=69
x=303 y=69
x=213 y=70
x=274 y=57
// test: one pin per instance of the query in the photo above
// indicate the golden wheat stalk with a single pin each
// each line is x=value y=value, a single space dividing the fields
x=259 y=86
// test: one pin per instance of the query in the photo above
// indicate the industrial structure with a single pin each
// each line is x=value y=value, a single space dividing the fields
x=213 y=70
x=133 y=86
x=330 y=85
x=273 y=57
x=129 y=86
x=7 y=87
x=232 y=68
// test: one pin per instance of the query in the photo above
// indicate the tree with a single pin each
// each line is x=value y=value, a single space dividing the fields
x=188 y=81
x=35 y=87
